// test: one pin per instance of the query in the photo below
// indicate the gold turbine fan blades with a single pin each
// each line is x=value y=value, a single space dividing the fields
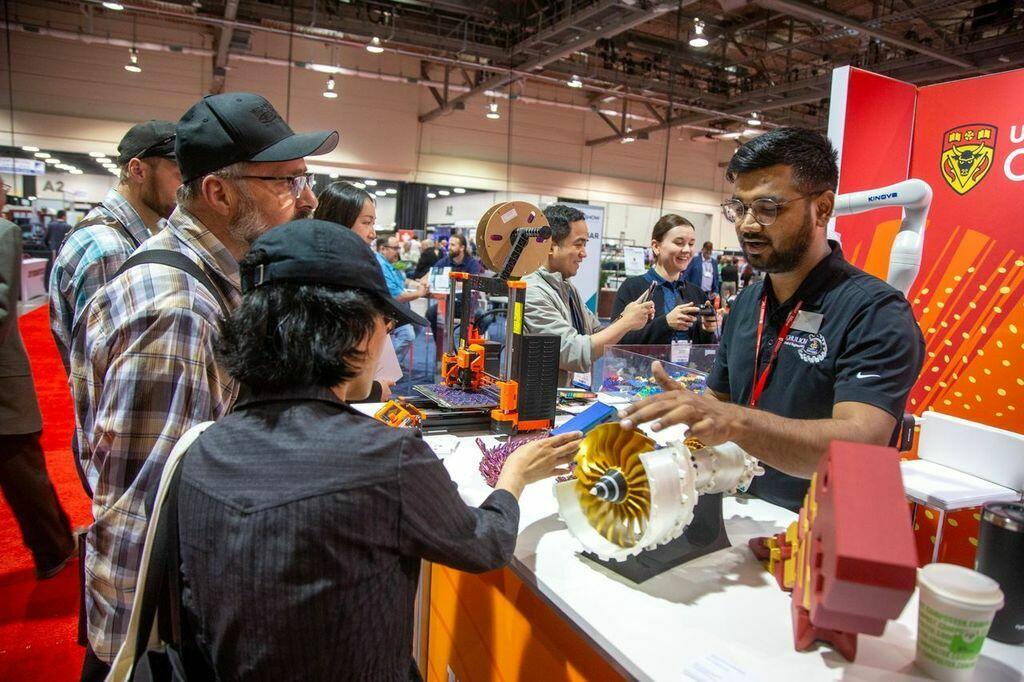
x=611 y=483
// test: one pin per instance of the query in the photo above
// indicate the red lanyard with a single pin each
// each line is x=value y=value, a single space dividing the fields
x=759 y=381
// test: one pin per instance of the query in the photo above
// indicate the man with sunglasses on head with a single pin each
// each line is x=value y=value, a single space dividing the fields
x=818 y=351
x=142 y=366
x=131 y=212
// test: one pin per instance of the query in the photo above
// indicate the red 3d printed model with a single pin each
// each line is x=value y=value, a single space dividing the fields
x=849 y=559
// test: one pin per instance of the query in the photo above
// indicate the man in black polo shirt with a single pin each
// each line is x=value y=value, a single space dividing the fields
x=839 y=349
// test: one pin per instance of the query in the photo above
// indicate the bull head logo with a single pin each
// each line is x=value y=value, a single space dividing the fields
x=967 y=153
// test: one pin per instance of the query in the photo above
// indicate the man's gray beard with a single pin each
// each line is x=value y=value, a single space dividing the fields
x=250 y=221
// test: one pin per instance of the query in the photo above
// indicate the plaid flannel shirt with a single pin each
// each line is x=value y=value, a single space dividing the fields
x=142 y=373
x=90 y=257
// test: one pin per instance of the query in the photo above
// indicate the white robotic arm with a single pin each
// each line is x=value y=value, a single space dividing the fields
x=915 y=196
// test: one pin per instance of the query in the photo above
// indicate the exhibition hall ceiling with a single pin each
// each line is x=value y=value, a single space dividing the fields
x=714 y=68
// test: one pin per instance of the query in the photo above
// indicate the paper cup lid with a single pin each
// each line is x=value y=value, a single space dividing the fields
x=962 y=585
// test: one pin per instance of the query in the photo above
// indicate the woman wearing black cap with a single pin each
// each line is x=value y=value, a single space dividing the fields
x=302 y=520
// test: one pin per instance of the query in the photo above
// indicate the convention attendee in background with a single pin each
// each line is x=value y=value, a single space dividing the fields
x=747 y=274
x=129 y=214
x=56 y=230
x=411 y=251
x=26 y=486
x=334 y=511
x=730 y=274
x=703 y=270
x=458 y=258
x=403 y=335
x=345 y=204
x=443 y=245
x=819 y=351
x=143 y=370
x=554 y=306
x=429 y=255
x=677 y=303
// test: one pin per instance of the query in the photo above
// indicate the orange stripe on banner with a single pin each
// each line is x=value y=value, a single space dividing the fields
x=881 y=246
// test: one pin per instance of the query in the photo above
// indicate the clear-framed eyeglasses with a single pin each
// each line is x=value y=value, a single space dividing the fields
x=763 y=211
x=298 y=182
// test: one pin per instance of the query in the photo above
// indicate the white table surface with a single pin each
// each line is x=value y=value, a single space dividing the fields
x=697 y=620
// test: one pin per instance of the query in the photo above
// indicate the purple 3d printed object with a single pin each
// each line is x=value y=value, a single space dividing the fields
x=494 y=458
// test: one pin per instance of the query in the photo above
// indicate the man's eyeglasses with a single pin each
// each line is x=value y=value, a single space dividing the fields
x=389 y=246
x=298 y=182
x=763 y=211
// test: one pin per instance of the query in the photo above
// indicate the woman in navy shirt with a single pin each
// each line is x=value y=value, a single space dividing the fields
x=677 y=303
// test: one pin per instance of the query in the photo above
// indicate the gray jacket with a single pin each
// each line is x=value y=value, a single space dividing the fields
x=19 y=409
x=547 y=312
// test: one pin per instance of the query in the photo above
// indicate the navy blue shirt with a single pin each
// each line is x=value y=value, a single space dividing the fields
x=855 y=340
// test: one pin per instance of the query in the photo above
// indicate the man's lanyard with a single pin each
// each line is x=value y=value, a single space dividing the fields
x=759 y=381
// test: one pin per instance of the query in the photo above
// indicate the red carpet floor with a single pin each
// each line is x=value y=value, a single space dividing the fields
x=38 y=619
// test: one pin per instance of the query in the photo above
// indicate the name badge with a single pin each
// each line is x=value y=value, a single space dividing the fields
x=808 y=322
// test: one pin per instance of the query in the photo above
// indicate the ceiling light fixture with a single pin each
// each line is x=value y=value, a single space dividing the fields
x=754 y=119
x=52 y=161
x=358 y=185
x=391 y=190
x=374 y=46
x=133 y=61
x=329 y=93
x=628 y=137
x=458 y=190
x=492 y=112
x=75 y=171
x=97 y=155
x=749 y=132
x=431 y=195
x=443 y=192
x=28 y=148
x=116 y=6
x=41 y=155
x=381 y=193
x=371 y=183
x=574 y=82
x=698 y=39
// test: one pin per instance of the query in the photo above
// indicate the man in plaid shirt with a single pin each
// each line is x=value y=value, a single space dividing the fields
x=142 y=368
x=129 y=213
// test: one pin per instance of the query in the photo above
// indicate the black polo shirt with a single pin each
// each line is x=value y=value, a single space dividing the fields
x=855 y=340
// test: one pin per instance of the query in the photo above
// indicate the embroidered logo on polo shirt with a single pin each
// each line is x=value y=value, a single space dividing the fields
x=812 y=348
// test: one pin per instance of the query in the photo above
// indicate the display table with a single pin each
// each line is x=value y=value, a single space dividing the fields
x=33 y=278
x=719 y=617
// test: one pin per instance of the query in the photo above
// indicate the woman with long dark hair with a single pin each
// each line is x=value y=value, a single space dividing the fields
x=677 y=303
x=345 y=204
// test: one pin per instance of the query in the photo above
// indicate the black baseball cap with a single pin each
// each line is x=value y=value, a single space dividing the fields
x=320 y=252
x=220 y=130
x=151 y=138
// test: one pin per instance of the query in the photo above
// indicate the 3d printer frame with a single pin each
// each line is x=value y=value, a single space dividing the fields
x=463 y=363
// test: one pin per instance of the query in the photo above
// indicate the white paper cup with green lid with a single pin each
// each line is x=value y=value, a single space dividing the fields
x=956 y=609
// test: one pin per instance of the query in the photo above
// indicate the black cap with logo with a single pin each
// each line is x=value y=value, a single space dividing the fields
x=148 y=139
x=320 y=252
x=220 y=130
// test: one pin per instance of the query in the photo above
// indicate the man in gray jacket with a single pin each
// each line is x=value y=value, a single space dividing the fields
x=553 y=305
x=26 y=485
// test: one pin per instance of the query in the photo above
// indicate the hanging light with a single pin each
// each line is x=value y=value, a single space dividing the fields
x=374 y=46
x=133 y=61
x=431 y=195
x=116 y=6
x=52 y=161
x=628 y=137
x=41 y=155
x=443 y=192
x=97 y=155
x=370 y=183
x=391 y=190
x=359 y=185
x=329 y=93
x=754 y=119
x=698 y=39
x=29 y=148
x=381 y=193
x=492 y=111
x=458 y=190
x=574 y=82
